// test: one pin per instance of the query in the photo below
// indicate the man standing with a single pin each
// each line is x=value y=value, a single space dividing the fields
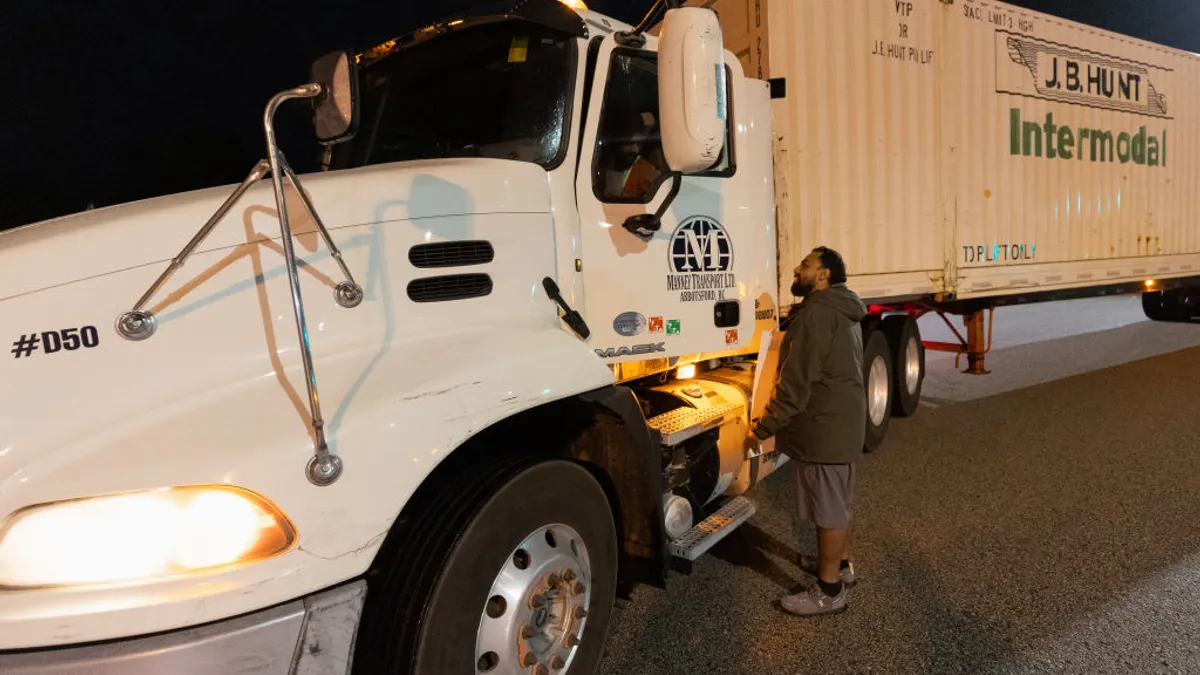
x=818 y=417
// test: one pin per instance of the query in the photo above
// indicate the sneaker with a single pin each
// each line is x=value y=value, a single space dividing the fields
x=814 y=602
x=809 y=565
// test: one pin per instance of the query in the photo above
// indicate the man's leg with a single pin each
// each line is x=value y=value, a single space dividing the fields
x=831 y=545
x=813 y=565
x=828 y=489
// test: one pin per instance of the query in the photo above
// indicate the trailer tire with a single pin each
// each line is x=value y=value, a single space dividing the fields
x=879 y=385
x=908 y=362
x=1164 y=306
x=486 y=574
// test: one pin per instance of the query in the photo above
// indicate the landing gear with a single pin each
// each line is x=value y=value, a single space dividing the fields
x=976 y=345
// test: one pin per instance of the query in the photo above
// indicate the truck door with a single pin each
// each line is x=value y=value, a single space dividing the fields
x=680 y=290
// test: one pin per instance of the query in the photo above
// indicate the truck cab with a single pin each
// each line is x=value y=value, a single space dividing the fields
x=662 y=266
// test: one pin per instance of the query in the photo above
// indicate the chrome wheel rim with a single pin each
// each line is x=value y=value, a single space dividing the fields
x=912 y=366
x=878 y=390
x=534 y=615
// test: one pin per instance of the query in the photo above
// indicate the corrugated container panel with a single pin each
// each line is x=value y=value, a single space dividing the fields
x=1076 y=220
x=858 y=133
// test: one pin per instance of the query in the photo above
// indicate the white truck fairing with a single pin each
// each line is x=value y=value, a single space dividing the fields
x=217 y=394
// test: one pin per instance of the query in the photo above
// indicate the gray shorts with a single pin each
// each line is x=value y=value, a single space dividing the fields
x=825 y=494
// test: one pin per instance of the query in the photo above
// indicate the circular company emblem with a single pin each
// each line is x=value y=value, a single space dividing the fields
x=629 y=324
x=700 y=245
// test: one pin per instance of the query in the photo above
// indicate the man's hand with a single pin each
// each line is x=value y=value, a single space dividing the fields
x=756 y=446
x=752 y=441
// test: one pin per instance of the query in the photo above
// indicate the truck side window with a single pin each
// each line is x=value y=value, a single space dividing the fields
x=630 y=166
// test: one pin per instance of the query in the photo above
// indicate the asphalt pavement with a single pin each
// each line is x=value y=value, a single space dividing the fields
x=1042 y=519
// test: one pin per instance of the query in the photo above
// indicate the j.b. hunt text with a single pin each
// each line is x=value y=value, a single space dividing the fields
x=1094 y=80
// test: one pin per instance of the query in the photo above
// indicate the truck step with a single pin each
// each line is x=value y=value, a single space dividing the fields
x=681 y=424
x=705 y=534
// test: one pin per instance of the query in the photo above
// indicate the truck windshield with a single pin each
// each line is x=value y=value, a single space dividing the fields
x=497 y=90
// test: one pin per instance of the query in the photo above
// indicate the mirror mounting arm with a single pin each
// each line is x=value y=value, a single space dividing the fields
x=323 y=468
x=645 y=225
x=627 y=39
x=655 y=15
x=139 y=324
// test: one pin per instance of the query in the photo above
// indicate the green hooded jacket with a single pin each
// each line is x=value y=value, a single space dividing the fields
x=818 y=413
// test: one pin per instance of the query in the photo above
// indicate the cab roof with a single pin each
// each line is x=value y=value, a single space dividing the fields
x=553 y=14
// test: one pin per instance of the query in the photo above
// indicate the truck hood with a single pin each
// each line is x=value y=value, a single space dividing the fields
x=153 y=231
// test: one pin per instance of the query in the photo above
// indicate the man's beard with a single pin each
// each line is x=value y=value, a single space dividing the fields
x=801 y=289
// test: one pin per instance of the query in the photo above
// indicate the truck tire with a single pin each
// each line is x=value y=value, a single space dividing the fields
x=908 y=362
x=503 y=586
x=880 y=385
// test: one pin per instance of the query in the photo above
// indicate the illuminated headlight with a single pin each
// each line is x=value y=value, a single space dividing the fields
x=139 y=535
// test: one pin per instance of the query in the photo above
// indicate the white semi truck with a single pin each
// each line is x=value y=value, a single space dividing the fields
x=432 y=409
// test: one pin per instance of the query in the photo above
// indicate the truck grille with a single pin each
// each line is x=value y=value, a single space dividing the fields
x=449 y=287
x=451 y=254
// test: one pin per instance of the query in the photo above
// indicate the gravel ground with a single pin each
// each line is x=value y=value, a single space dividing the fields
x=1022 y=523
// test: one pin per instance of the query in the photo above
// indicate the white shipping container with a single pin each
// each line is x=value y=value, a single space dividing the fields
x=971 y=149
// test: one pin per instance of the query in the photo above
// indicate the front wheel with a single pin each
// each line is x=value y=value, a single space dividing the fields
x=527 y=584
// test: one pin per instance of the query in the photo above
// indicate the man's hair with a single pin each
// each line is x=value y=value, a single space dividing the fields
x=832 y=261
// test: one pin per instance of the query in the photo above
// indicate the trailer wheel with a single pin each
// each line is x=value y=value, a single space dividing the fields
x=1162 y=306
x=908 y=361
x=524 y=582
x=877 y=376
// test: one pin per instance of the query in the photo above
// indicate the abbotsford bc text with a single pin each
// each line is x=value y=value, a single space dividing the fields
x=1061 y=142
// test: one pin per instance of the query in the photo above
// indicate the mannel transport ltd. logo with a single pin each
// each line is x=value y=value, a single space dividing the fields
x=701 y=260
x=700 y=245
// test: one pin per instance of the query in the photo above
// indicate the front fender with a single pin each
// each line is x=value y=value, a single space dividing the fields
x=392 y=416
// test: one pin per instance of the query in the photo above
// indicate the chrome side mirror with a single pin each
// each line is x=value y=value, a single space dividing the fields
x=335 y=109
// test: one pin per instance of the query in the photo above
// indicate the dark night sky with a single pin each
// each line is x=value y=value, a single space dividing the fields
x=107 y=102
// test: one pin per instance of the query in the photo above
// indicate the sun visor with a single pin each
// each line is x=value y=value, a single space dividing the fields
x=550 y=14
